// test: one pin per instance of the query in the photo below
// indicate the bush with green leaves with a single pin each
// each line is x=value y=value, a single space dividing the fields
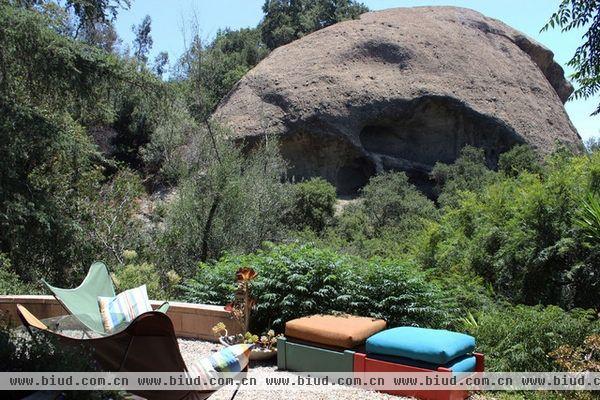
x=588 y=218
x=10 y=283
x=162 y=154
x=469 y=172
x=298 y=280
x=521 y=338
x=160 y=286
x=228 y=201
x=391 y=201
x=111 y=217
x=521 y=235
x=519 y=159
x=47 y=172
x=55 y=93
x=313 y=204
x=209 y=71
x=386 y=220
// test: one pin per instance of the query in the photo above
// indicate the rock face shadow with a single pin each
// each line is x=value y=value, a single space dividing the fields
x=410 y=136
x=328 y=156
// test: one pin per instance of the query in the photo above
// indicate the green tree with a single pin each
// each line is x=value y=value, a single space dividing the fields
x=161 y=63
x=143 y=40
x=288 y=20
x=577 y=14
x=53 y=91
x=210 y=71
x=94 y=11
x=391 y=201
x=46 y=164
x=468 y=173
x=313 y=204
x=524 y=235
x=227 y=201
x=519 y=159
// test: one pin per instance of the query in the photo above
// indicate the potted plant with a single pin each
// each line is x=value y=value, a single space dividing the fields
x=239 y=309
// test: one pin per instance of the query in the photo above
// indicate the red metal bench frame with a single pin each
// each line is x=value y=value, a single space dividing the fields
x=362 y=363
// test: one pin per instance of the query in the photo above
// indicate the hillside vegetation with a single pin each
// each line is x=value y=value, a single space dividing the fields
x=106 y=155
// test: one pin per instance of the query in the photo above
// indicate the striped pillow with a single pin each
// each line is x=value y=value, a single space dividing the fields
x=123 y=308
x=230 y=359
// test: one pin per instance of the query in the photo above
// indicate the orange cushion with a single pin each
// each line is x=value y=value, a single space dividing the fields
x=345 y=331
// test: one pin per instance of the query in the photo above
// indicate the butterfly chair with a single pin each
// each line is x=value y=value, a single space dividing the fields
x=127 y=350
x=82 y=301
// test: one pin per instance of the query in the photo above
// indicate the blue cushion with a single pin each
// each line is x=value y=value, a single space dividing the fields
x=464 y=363
x=430 y=345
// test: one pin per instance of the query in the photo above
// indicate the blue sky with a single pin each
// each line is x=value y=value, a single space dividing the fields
x=170 y=17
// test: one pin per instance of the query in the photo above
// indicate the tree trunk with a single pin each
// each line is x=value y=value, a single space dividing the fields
x=208 y=227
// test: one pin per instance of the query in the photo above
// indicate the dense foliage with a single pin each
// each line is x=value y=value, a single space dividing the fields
x=299 y=280
x=226 y=201
x=288 y=20
x=391 y=202
x=521 y=338
x=313 y=204
x=522 y=235
x=57 y=188
x=577 y=14
x=468 y=173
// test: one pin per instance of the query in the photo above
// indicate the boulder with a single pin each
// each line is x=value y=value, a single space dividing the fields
x=402 y=89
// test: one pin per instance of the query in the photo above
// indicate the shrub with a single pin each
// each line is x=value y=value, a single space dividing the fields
x=588 y=218
x=112 y=221
x=161 y=154
x=521 y=338
x=299 y=280
x=134 y=275
x=227 y=201
x=46 y=167
x=519 y=159
x=161 y=285
x=520 y=234
x=390 y=201
x=10 y=283
x=313 y=203
x=579 y=359
x=385 y=221
x=468 y=173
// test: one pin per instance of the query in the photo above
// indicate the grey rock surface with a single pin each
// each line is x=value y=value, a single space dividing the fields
x=402 y=89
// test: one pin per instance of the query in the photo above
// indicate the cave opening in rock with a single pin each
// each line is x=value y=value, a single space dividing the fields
x=415 y=135
x=330 y=157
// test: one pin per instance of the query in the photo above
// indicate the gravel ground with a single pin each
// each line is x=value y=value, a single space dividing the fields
x=194 y=349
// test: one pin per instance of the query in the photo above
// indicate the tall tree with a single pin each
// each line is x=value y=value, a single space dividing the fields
x=161 y=62
x=101 y=34
x=88 y=20
x=576 y=14
x=288 y=20
x=212 y=69
x=143 y=39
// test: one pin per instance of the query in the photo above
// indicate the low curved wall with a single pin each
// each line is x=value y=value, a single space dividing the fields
x=189 y=320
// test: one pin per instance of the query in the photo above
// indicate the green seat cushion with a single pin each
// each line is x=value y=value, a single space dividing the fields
x=430 y=345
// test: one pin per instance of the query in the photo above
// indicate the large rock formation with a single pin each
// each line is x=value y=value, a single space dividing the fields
x=402 y=89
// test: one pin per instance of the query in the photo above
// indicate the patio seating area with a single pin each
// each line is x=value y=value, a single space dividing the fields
x=118 y=330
